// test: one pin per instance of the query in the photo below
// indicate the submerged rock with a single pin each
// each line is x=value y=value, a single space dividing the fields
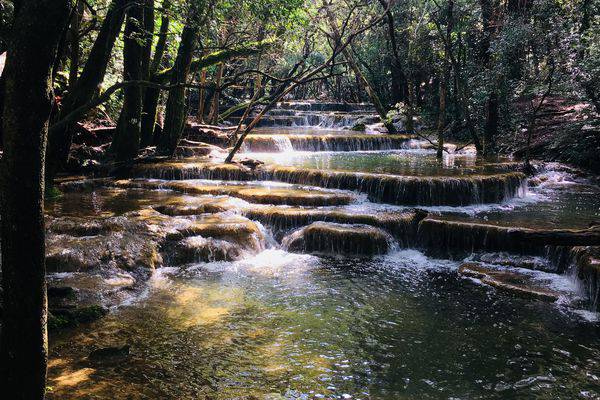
x=126 y=242
x=332 y=238
x=110 y=354
x=508 y=281
x=195 y=206
x=238 y=231
x=60 y=318
x=252 y=193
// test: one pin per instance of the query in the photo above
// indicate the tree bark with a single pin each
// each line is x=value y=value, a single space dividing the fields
x=147 y=34
x=488 y=9
x=59 y=142
x=175 y=111
x=126 y=142
x=201 y=97
x=399 y=80
x=445 y=79
x=32 y=50
x=213 y=115
x=152 y=95
x=74 y=39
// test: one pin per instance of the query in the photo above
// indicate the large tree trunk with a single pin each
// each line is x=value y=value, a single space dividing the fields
x=59 y=142
x=23 y=344
x=175 y=112
x=126 y=142
x=147 y=34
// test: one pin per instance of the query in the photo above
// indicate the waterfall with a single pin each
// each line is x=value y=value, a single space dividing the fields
x=381 y=188
x=317 y=115
x=283 y=143
x=354 y=142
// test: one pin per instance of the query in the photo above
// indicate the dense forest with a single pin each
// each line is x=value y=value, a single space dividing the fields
x=101 y=91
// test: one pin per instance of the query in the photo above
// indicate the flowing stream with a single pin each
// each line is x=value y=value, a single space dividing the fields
x=276 y=284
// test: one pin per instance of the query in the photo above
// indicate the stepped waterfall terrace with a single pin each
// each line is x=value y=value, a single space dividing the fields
x=348 y=265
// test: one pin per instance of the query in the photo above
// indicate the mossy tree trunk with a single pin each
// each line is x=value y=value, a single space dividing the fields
x=175 y=112
x=126 y=142
x=31 y=53
x=213 y=116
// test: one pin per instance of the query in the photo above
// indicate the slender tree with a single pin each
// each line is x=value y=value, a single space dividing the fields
x=175 y=112
x=152 y=95
x=126 y=142
x=32 y=47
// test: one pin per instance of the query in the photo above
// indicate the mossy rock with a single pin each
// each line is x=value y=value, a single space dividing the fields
x=69 y=318
x=360 y=127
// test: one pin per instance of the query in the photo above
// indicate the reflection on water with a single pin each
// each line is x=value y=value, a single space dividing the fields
x=398 y=162
x=295 y=326
x=104 y=202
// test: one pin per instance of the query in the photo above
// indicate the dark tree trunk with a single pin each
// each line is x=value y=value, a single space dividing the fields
x=31 y=54
x=445 y=79
x=1 y=110
x=175 y=111
x=148 y=33
x=126 y=142
x=491 y=125
x=59 y=142
x=74 y=43
x=213 y=116
x=488 y=10
x=151 y=95
x=399 y=80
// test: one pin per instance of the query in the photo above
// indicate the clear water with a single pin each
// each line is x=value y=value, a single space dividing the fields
x=293 y=326
x=559 y=203
x=399 y=162
x=281 y=325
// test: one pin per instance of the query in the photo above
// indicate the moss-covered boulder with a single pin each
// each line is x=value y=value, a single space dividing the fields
x=509 y=281
x=339 y=239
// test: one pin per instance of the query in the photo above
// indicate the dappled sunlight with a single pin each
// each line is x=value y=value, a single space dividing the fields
x=72 y=378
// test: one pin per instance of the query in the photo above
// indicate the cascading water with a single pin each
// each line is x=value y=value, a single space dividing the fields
x=317 y=115
x=311 y=277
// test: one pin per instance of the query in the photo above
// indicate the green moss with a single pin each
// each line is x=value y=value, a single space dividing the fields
x=52 y=193
x=69 y=318
x=56 y=322
x=359 y=127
